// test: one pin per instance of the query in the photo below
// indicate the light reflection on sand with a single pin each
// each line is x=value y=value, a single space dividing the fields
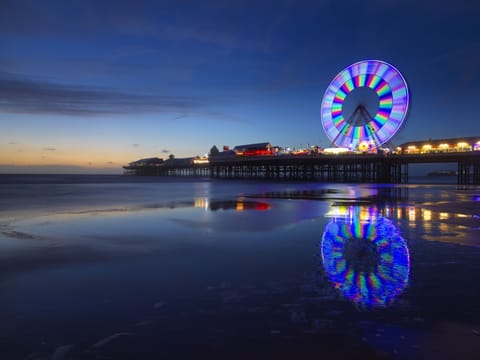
x=424 y=223
x=365 y=257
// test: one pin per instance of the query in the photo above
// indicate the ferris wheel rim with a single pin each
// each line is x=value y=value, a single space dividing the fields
x=393 y=95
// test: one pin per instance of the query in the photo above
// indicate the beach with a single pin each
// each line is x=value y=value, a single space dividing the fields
x=115 y=267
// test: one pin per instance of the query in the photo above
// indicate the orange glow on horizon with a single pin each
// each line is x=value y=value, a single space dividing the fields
x=27 y=155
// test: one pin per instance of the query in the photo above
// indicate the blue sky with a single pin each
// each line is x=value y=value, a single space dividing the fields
x=90 y=85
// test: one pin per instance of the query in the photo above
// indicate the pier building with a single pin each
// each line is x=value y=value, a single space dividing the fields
x=458 y=144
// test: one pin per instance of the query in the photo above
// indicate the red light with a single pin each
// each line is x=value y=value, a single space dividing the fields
x=262 y=206
x=258 y=152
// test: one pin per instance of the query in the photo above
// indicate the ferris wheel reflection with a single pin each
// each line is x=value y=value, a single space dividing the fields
x=365 y=257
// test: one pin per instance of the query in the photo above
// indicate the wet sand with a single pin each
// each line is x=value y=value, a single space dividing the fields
x=226 y=270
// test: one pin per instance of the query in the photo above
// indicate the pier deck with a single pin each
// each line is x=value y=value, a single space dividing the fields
x=366 y=168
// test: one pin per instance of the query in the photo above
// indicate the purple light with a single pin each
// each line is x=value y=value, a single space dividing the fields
x=366 y=259
x=393 y=99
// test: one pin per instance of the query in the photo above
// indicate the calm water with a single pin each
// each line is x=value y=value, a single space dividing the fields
x=110 y=267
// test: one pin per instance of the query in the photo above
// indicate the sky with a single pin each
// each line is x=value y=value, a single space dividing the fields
x=88 y=86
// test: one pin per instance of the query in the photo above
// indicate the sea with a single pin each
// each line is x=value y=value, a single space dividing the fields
x=125 y=267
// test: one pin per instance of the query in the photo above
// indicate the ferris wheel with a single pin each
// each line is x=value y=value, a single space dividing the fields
x=365 y=105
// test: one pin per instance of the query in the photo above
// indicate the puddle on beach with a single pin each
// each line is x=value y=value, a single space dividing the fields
x=275 y=270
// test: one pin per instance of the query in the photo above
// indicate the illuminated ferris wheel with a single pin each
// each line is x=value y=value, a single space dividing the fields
x=365 y=105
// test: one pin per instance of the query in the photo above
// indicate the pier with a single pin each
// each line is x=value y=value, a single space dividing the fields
x=339 y=168
x=354 y=168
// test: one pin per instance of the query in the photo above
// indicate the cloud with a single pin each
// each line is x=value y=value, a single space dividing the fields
x=49 y=149
x=19 y=95
x=211 y=21
x=135 y=145
x=178 y=117
x=165 y=151
x=57 y=169
x=130 y=51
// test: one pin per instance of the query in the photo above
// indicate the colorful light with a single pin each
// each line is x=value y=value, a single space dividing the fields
x=366 y=260
x=393 y=99
x=202 y=160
